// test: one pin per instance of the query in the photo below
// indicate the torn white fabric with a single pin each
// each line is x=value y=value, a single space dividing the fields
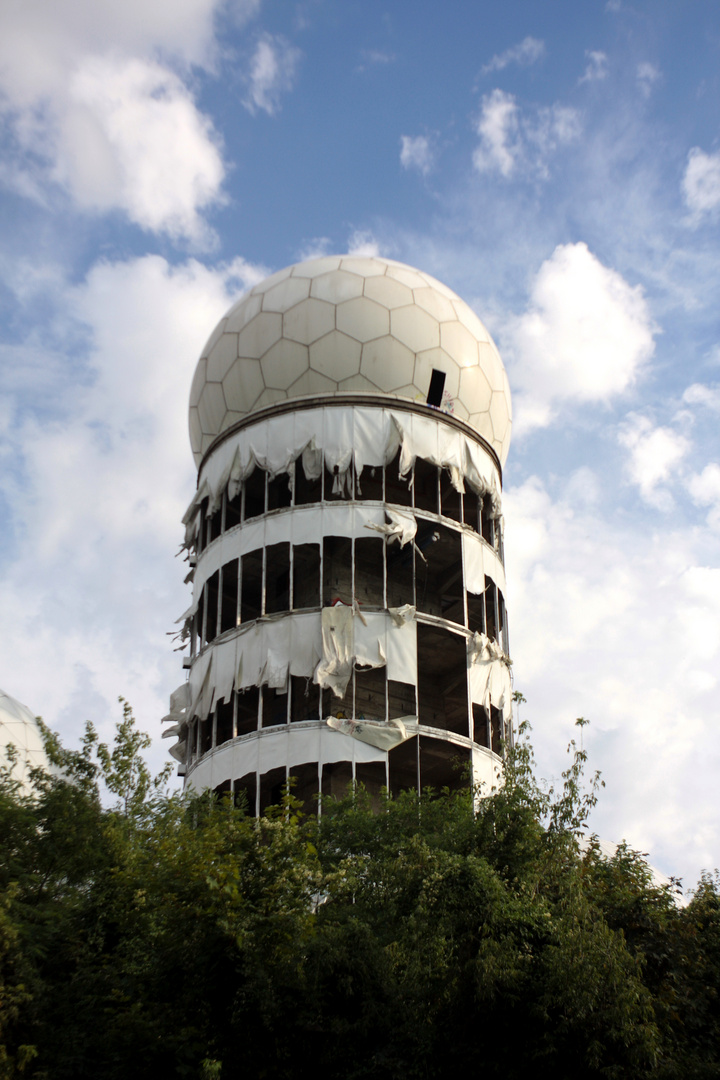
x=400 y=615
x=338 y=639
x=401 y=527
x=384 y=734
x=490 y=682
x=275 y=671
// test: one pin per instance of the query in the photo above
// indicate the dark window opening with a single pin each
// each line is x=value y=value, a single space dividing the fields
x=192 y=740
x=206 y=727
x=373 y=778
x=481 y=727
x=274 y=706
x=502 y=622
x=443 y=765
x=272 y=787
x=370 y=694
x=403 y=767
x=306 y=575
x=245 y=793
x=370 y=483
x=247 y=710
x=340 y=707
x=426 y=486
x=336 y=779
x=400 y=575
x=401 y=700
x=304 y=699
x=277 y=578
x=211 y=601
x=491 y=608
x=306 y=491
x=228 y=609
x=306 y=785
x=450 y=499
x=496 y=726
x=442 y=680
x=215 y=524
x=201 y=527
x=233 y=509
x=397 y=488
x=254 y=494
x=224 y=722
x=223 y=790
x=471 y=509
x=476 y=613
x=199 y=618
x=369 y=571
x=279 y=493
x=440 y=578
x=251 y=586
x=488 y=522
x=435 y=391
x=337 y=570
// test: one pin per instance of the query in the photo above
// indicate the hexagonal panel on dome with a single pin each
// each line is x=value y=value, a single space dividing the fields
x=344 y=323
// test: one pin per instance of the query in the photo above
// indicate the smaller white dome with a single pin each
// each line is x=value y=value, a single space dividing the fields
x=19 y=728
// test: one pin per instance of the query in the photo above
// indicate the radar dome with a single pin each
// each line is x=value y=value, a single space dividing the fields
x=349 y=324
x=20 y=729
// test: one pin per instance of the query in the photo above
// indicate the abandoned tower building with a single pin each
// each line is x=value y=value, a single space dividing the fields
x=350 y=418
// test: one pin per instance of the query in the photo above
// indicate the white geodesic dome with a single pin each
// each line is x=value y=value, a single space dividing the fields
x=19 y=728
x=349 y=324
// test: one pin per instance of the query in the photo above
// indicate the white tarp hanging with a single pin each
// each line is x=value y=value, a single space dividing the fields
x=384 y=734
x=401 y=527
x=338 y=639
x=490 y=681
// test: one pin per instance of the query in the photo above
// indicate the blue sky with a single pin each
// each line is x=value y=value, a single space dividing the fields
x=557 y=164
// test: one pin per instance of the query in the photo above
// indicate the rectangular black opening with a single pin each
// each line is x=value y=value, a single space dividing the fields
x=245 y=791
x=450 y=499
x=437 y=385
x=336 y=779
x=370 y=483
x=442 y=680
x=440 y=578
x=400 y=575
x=488 y=523
x=370 y=571
x=370 y=694
x=279 y=494
x=491 y=608
x=198 y=624
x=426 y=486
x=224 y=721
x=251 y=586
x=215 y=523
x=206 y=734
x=341 y=707
x=476 y=613
x=443 y=765
x=496 y=727
x=306 y=491
x=371 y=775
x=481 y=726
x=272 y=786
x=233 y=508
x=211 y=600
x=305 y=785
x=274 y=706
x=277 y=578
x=228 y=610
x=471 y=509
x=397 y=488
x=254 y=494
x=247 y=710
x=304 y=699
x=337 y=569
x=401 y=700
x=201 y=526
x=403 y=767
x=306 y=575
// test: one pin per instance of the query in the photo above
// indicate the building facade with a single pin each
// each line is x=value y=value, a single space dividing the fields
x=350 y=418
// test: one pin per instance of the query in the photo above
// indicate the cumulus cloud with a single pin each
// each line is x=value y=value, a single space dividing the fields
x=362 y=242
x=701 y=183
x=621 y=625
x=94 y=98
x=705 y=491
x=99 y=481
x=596 y=68
x=271 y=74
x=513 y=143
x=416 y=153
x=526 y=52
x=700 y=394
x=647 y=76
x=586 y=337
x=655 y=454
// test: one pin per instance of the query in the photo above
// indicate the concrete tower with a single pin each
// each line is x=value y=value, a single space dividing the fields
x=350 y=418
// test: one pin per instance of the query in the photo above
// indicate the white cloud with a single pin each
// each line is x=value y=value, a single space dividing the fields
x=705 y=491
x=621 y=625
x=701 y=183
x=647 y=76
x=98 y=484
x=585 y=337
x=362 y=242
x=374 y=58
x=416 y=153
x=272 y=73
x=655 y=454
x=526 y=52
x=513 y=143
x=93 y=100
x=596 y=68
x=700 y=394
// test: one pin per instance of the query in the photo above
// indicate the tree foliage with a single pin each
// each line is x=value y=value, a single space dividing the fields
x=169 y=935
